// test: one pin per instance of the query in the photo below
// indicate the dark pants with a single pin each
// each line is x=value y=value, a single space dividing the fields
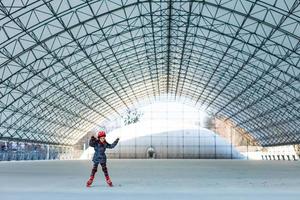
x=104 y=169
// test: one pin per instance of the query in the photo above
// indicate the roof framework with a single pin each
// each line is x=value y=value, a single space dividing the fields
x=67 y=64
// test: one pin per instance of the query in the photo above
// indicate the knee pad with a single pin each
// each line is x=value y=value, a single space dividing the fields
x=95 y=168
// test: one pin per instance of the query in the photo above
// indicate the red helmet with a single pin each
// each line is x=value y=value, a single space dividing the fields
x=101 y=134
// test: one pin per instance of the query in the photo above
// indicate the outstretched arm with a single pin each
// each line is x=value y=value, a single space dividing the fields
x=110 y=146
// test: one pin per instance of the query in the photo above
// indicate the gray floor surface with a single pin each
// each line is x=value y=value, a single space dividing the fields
x=152 y=179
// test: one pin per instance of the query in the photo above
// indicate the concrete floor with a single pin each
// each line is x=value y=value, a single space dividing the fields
x=152 y=179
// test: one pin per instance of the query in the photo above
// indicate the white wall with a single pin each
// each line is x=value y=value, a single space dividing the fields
x=168 y=141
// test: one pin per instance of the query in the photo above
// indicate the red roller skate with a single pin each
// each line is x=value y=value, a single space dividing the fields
x=90 y=181
x=108 y=181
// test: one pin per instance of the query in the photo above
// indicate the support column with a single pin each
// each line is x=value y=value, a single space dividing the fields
x=48 y=152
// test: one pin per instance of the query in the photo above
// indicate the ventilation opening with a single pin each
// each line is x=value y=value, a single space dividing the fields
x=151 y=153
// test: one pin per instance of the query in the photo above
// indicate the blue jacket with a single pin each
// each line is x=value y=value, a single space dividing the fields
x=99 y=156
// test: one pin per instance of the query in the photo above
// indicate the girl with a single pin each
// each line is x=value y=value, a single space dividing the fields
x=100 y=146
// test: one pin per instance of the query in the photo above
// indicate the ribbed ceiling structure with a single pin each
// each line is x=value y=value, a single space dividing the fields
x=65 y=65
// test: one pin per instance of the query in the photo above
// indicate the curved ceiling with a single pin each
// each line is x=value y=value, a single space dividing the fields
x=67 y=64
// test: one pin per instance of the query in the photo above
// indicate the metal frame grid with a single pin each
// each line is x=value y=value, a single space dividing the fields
x=67 y=64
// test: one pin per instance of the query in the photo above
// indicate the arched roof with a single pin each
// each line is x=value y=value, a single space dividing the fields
x=65 y=65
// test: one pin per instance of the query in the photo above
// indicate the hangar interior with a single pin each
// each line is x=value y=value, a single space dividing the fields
x=69 y=68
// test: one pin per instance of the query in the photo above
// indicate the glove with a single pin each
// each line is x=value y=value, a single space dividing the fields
x=92 y=141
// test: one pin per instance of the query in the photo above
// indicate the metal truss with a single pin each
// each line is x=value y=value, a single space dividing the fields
x=66 y=65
